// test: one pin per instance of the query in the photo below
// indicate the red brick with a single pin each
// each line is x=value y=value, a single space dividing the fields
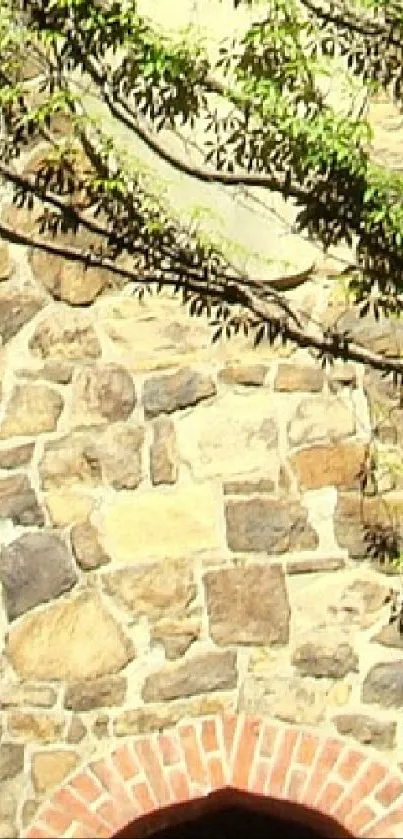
x=169 y=749
x=38 y=833
x=125 y=763
x=111 y=814
x=331 y=793
x=194 y=760
x=350 y=764
x=216 y=772
x=229 y=725
x=308 y=747
x=209 y=736
x=144 y=798
x=385 y=825
x=259 y=777
x=82 y=832
x=389 y=792
x=360 y=790
x=71 y=804
x=282 y=764
x=360 y=819
x=245 y=753
x=178 y=781
x=296 y=783
x=155 y=774
x=268 y=740
x=111 y=780
x=88 y=787
x=327 y=758
x=56 y=820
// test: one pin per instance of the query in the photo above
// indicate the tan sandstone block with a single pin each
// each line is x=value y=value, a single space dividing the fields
x=68 y=507
x=173 y=523
x=50 y=768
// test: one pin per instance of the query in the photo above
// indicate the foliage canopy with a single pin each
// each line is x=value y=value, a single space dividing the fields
x=268 y=124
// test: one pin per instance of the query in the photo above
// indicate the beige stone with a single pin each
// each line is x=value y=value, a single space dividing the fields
x=234 y=436
x=68 y=281
x=337 y=465
x=201 y=673
x=72 y=640
x=5 y=266
x=188 y=520
x=66 y=462
x=76 y=731
x=321 y=418
x=32 y=409
x=86 y=548
x=160 y=716
x=36 y=727
x=50 y=768
x=176 y=636
x=68 y=507
x=26 y=694
x=65 y=336
x=163 y=589
x=102 y=393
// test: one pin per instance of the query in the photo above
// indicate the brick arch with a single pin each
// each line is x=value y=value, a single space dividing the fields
x=156 y=780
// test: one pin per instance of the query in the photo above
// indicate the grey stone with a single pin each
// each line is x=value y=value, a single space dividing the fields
x=248 y=605
x=201 y=674
x=327 y=658
x=17 y=456
x=87 y=695
x=86 y=547
x=390 y=636
x=76 y=731
x=17 y=309
x=268 y=524
x=35 y=568
x=164 y=465
x=18 y=501
x=354 y=513
x=102 y=393
x=367 y=730
x=11 y=760
x=383 y=685
x=172 y=392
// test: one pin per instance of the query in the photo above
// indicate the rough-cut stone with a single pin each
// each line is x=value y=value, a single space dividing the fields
x=50 y=768
x=50 y=644
x=373 y=334
x=119 y=450
x=249 y=487
x=287 y=698
x=157 y=591
x=95 y=693
x=248 y=605
x=341 y=375
x=32 y=409
x=65 y=336
x=128 y=532
x=353 y=514
x=321 y=418
x=337 y=465
x=100 y=728
x=17 y=456
x=36 y=727
x=29 y=809
x=367 y=730
x=71 y=282
x=11 y=760
x=58 y=372
x=5 y=263
x=86 y=548
x=158 y=717
x=102 y=393
x=370 y=596
x=70 y=461
x=76 y=731
x=250 y=375
x=390 y=636
x=172 y=392
x=383 y=685
x=35 y=568
x=292 y=377
x=201 y=674
x=163 y=453
x=16 y=309
x=15 y=695
x=235 y=436
x=313 y=566
x=330 y=658
x=268 y=524
x=18 y=501
x=176 y=636
x=66 y=507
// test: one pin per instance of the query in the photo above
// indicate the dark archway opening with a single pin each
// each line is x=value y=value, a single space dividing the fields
x=231 y=814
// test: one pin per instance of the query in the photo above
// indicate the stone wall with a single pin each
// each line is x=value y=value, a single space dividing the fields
x=181 y=532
